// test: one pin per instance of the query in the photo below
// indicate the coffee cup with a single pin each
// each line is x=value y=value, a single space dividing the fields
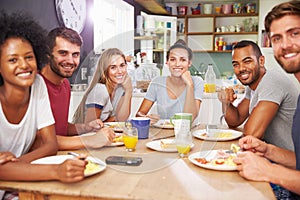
x=223 y=29
x=207 y=8
x=232 y=28
x=227 y=8
x=218 y=10
x=186 y=116
x=238 y=28
x=142 y=124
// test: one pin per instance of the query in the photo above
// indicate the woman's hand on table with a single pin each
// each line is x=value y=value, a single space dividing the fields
x=102 y=137
x=153 y=118
x=94 y=125
x=7 y=156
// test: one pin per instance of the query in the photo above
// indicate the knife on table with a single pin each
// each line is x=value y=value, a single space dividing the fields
x=92 y=159
x=168 y=136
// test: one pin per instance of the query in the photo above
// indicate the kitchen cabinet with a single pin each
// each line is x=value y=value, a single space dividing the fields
x=201 y=31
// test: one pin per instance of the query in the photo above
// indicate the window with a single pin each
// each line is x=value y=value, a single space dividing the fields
x=113 y=26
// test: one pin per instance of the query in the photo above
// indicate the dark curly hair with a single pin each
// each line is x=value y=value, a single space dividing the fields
x=22 y=25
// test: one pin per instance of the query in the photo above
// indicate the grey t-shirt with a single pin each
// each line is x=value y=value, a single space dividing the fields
x=278 y=88
x=99 y=98
x=167 y=107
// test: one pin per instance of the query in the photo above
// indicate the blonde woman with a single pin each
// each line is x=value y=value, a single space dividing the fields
x=108 y=96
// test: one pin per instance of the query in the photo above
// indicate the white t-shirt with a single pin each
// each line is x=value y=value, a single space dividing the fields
x=99 y=98
x=18 y=138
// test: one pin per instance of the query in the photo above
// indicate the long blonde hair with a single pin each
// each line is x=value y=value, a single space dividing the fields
x=100 y=76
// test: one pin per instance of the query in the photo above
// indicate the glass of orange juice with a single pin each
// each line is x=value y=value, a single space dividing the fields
x=130 y=138
x=183 y=141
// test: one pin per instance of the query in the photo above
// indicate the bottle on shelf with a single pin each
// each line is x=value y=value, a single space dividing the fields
x=210 y=80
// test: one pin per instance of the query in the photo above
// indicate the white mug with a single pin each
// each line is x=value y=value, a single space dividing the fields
x=232 y=28
x=207 y=8
x=223 y=29
x=238 y=28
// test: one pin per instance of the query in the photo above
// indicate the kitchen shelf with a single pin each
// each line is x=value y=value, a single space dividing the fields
x=221 y=15
x=211 y=51
x=158 y=50
x=145 y=37
x=200 y=30
x=236 y=33
x=199 y=33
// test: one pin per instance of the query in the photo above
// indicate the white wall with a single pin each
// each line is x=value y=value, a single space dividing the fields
x=113 y=25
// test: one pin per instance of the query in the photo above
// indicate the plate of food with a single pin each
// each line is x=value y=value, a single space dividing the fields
x=163 y=123
x=219 y=160
x=164 y=145
x=94 y=165
x=217 y=134
x=116 y=126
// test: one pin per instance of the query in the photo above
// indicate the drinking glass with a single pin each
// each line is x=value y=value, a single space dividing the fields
x=225 y=104
x=130 y=138
x=183 y=141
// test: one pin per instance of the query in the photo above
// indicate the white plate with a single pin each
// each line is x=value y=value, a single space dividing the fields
x=164 y=123
x=61 y=158
x=115 y=144
x=208 y=155
x=155 y=145
x=116 y=126
x=201 y=134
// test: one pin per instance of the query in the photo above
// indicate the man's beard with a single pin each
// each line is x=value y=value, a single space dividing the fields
x=253 y=79
x=54 y=67
x=290 y=68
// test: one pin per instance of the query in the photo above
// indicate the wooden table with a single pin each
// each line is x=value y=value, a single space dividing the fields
x=161 y=176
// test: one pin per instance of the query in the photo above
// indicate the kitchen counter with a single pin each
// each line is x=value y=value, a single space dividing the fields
x=210 y=110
